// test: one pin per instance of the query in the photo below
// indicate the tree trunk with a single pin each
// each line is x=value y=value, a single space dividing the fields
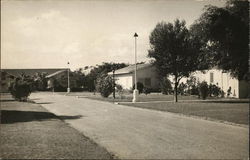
x=175 y=92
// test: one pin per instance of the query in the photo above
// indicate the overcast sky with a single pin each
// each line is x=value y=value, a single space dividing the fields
x=48 y=34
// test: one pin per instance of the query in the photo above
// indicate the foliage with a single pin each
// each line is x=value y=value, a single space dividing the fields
x=166 y=87
x=40 y=81
x=175 y=51
x=182 y=88
x=140 y=87
x=192 y=86
x=60 y=82
x=105 y=85
x=119 y=90
x=214 y=90
x=224 y=31
x=21 y=88
x=203 y=89
x=90 y=79
x=146 y=90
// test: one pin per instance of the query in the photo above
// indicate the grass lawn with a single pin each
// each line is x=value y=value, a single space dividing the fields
x=29 y=131
x=127 y=97
x=222 y=111
x=230 y=110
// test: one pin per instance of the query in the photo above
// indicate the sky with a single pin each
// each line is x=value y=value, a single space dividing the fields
x=50 y=33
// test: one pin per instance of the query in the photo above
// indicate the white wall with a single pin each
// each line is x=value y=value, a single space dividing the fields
x=125 y=80
x=223 y=80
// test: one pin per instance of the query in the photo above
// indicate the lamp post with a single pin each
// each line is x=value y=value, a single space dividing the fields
x=135 y=92
x=68 y=89
x=113 y=83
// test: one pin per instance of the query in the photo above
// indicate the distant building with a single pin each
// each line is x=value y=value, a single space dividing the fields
x=8 y=75
x=146 y=74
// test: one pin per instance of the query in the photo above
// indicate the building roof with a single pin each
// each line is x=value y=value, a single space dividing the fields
x=31 y=72
x=131 y=68
x=55 y=73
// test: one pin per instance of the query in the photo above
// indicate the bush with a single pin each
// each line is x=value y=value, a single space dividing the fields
x=192 y=86
x=214 y=90
x=140 y=87
x=20 y=89
x=166 y=87
x=147 y=90
x=203 y=90
x=119 y=90
x=182 y=88
x=105 y=85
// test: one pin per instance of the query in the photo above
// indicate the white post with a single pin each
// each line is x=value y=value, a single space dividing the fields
x=68 y=89
x=135 y=92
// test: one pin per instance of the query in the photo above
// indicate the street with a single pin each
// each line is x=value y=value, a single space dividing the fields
x=135 y=133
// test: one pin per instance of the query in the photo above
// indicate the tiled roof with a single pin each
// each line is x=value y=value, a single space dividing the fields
x=131 y=68
x=31 y=72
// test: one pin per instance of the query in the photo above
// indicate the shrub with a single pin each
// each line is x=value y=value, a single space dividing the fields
x=20 y=89
x=203 y=89
x=105 y=85
x=147 y=90
x=166 y=87
x=192 y=86
x=214 y=90
x=119 y=90
x=181 y=89
x=140 y=87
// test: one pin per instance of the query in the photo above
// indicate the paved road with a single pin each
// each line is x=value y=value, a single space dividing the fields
x=140 y=133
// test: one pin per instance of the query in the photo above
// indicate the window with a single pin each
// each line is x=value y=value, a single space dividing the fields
x=211 y=77
x=148 y=82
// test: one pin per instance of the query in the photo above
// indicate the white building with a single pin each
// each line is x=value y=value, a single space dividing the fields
x=239 y=89
x=146 y=74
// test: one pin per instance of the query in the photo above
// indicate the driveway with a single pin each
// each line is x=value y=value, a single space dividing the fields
x=134 y=133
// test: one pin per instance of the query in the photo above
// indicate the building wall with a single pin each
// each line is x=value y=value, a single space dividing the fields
x=147 y=76
x=125 y=80
x=223 y=80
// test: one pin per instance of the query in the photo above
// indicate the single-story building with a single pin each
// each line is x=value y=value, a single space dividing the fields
x=146 y=74
x=8 y=75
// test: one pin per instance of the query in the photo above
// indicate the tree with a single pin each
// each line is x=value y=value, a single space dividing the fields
x=176 y=51
x=40 y=81
x=105 y=85
x=21 y=88
x=92 y=77
x=224 y=30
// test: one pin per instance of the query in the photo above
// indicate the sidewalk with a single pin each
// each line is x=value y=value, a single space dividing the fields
x=28 y=131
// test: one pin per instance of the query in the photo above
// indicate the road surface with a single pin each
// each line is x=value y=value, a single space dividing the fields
x=134 y=133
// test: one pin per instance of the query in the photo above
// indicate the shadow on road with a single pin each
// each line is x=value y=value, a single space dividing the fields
x=14 y=116
x=45 y=103
x=7 y=100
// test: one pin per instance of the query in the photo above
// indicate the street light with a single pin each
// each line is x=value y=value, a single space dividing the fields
x=135 y=93
x=68 y=89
